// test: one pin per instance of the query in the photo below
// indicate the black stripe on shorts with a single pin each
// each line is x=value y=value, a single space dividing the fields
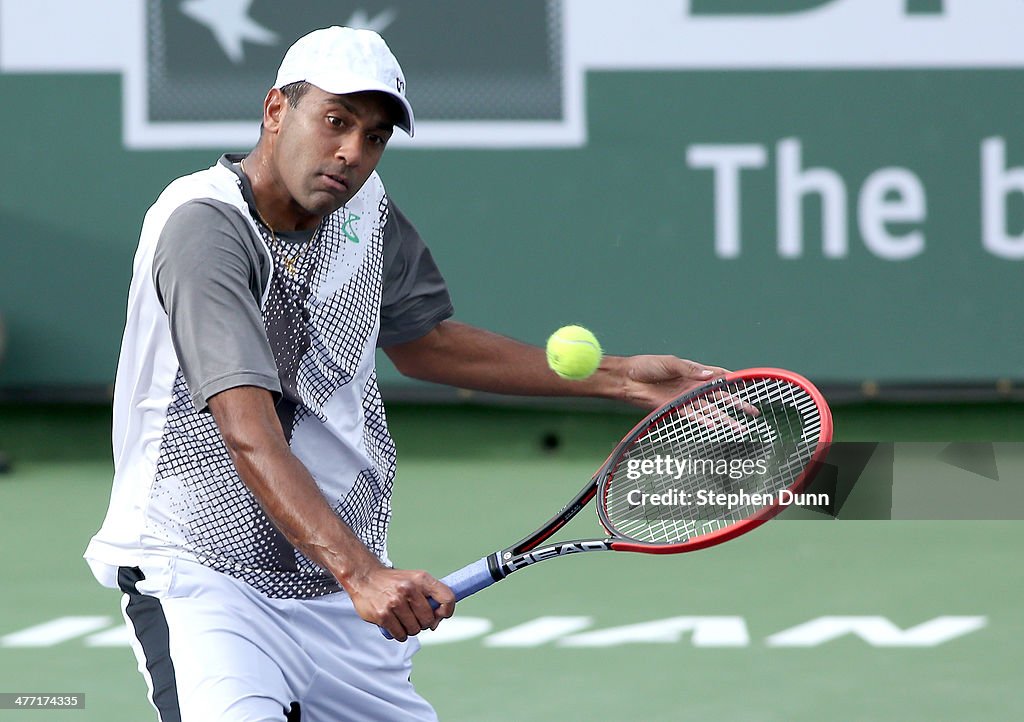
x=151 y=629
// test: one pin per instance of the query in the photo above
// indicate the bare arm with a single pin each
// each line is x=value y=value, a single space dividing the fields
x=395 y=599
x=468 y=357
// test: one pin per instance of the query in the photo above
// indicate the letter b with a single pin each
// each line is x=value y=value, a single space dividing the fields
x=997 y=183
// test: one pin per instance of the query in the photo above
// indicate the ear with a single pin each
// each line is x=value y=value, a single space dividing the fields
x=274 y=108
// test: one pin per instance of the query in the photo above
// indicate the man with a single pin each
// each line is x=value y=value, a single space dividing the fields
x=248 y=519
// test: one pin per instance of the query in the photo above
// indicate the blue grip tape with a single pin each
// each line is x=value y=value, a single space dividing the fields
x=469 y=580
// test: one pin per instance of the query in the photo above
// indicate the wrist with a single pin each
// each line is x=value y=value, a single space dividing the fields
x=353 y=566
x=610 y=379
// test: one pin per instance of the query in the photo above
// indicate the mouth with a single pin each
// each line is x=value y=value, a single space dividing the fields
x=336 y=182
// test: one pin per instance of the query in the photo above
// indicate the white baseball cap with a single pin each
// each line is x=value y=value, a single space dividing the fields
x=346 y=60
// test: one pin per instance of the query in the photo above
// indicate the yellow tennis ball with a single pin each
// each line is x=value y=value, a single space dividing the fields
x=573 y=352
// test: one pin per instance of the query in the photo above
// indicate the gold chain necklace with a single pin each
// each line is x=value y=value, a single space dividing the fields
x=291 y=262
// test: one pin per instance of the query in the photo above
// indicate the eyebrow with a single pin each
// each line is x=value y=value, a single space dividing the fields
x=340 y=100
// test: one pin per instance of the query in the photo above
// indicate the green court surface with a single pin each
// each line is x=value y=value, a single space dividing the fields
x=757 y=629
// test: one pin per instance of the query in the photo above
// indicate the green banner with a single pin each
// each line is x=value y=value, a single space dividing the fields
x=851 y=211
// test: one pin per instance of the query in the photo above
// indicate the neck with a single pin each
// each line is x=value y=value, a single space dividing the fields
x=274 y=203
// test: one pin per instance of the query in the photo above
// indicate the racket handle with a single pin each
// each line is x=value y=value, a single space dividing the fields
x=468 y=580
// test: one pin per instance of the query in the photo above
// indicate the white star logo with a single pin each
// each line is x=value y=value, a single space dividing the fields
x=378 y=23
x=230 y=24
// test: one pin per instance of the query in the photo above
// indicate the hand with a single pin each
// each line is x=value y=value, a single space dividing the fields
x=399 y=600
x=650 y=381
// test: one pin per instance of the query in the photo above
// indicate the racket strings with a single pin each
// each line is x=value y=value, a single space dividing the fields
x=707 y=463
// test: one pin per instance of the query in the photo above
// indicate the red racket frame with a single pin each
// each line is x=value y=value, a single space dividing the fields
x=740 y=527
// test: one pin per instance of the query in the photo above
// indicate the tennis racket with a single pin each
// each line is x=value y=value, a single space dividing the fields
x=700 y=470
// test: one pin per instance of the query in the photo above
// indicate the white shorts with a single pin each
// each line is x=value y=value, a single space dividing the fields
x=212 y=648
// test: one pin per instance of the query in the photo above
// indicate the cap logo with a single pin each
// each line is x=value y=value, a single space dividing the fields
x=400 y=84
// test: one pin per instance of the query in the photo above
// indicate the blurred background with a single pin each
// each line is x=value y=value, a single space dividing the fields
x=830 y=186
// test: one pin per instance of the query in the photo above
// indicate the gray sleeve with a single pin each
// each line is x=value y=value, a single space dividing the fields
x=415 y=297
x=208 y=278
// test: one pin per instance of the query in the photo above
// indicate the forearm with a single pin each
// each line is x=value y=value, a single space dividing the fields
x=398 y=600
x=468 y=357
x=471 y=358
x=285 y=489
x=293 y=502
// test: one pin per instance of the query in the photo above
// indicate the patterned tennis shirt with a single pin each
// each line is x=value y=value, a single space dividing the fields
x=218 y=300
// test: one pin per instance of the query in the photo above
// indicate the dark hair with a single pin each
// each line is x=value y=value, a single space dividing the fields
x=293 y=92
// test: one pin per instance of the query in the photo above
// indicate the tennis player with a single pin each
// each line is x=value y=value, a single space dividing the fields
x=248 y=521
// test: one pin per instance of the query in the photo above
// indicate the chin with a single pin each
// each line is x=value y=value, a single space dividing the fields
x=321 y=206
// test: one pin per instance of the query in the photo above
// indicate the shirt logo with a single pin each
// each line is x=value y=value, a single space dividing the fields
x=346 y=228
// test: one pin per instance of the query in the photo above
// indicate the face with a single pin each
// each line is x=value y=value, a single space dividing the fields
x=325 y=147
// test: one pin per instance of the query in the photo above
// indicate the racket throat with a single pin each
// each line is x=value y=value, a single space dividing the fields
x=505 y=562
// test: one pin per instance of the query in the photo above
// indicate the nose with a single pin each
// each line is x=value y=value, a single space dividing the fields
x=350 y=151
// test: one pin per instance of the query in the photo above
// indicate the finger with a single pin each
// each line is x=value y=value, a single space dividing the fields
x=684 y=368
x=443 y=611
x=420 y=606
x=728 y=417
x=395 y=627
x=704 y=370
x=716 y=421
x=694 y=370
x=441 y=593
x=711 y=416
x=408 y=619
x=445 y=598
x=736 y=403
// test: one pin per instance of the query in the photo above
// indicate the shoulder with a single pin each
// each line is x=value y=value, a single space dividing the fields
x=217 y=184
x=204 y=208
x=200 y=223
x=205 y=221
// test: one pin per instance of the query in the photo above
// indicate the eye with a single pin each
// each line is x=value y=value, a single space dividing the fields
x=378 y=140
x=336 y=121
